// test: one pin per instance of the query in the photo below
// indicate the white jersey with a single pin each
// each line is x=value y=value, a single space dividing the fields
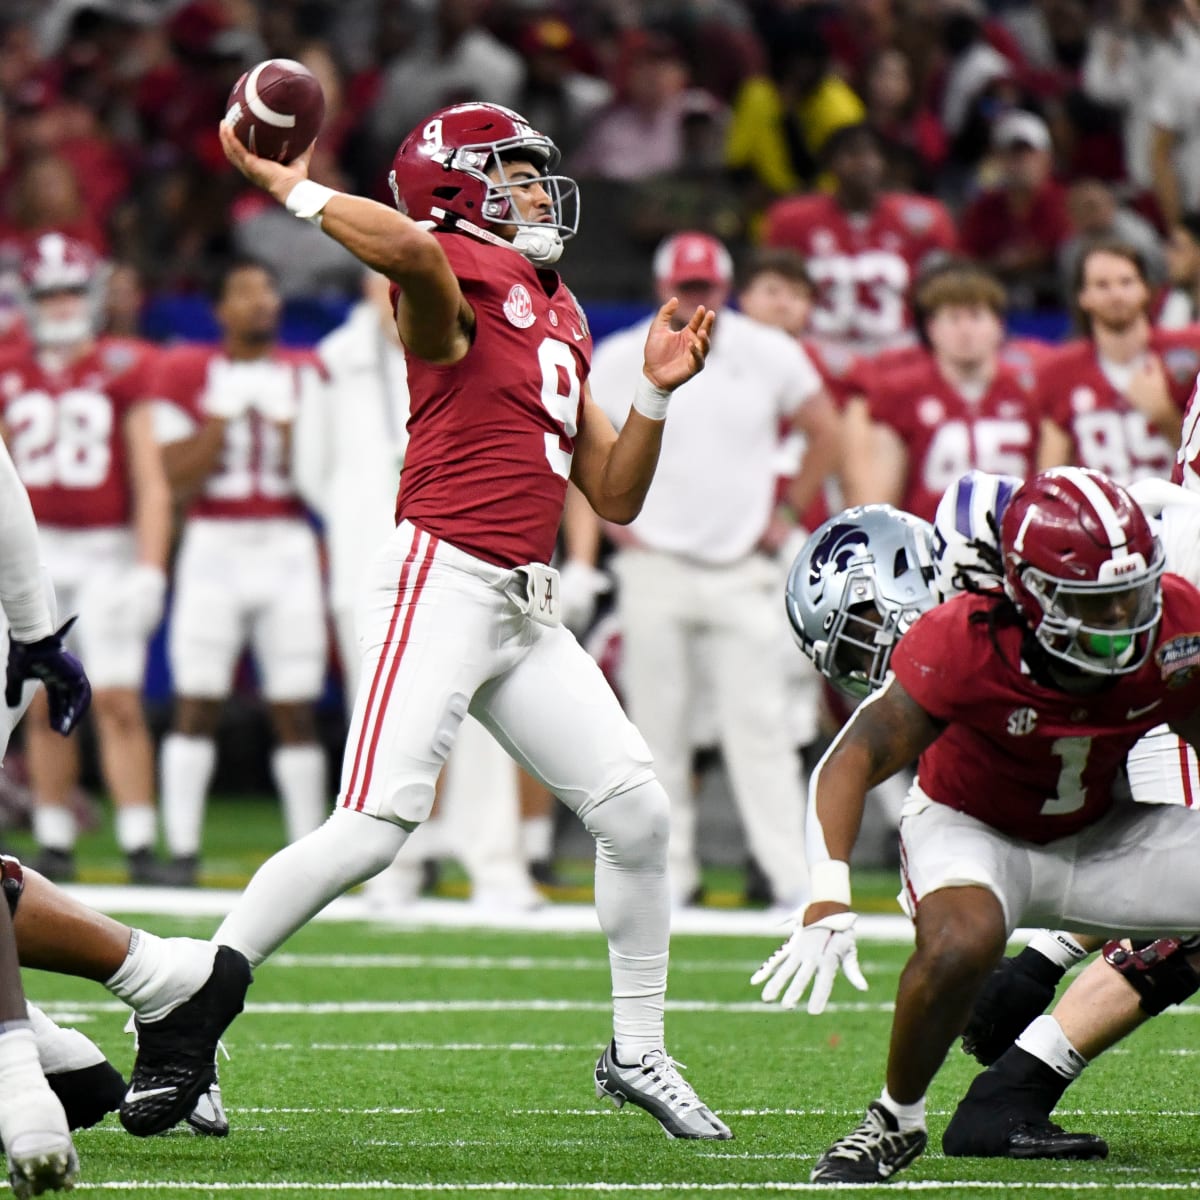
x=1162 y=768
x=714 y=488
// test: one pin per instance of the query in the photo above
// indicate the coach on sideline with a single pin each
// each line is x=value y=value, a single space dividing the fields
x=699 y=581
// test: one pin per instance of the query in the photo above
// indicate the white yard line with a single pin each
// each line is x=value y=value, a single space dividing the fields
x=524 y=1186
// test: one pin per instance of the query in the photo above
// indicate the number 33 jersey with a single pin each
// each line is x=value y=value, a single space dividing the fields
x=1033 y=762
x=491 y=436
x=65 y=430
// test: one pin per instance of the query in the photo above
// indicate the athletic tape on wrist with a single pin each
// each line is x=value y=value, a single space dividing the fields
x=830 y=882
x=307 y=199
x=649 y=400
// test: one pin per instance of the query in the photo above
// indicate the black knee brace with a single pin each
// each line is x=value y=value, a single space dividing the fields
x=1158 y=971
x=12 y=880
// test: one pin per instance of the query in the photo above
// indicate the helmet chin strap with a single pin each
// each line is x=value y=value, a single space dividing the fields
x=542 y=246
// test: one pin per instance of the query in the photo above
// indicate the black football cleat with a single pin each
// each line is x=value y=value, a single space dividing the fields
x=88 y=1094
x=176 y=1055
x=871 y=1153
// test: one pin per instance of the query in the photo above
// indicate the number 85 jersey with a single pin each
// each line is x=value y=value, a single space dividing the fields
x=65 y=430
x=491 y=436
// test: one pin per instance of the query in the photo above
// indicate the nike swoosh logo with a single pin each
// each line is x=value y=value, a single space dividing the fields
x=1134 y=713
x=132 y=1097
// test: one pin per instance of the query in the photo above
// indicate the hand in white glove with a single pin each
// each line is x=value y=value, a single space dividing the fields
x=143 y=595
x=580 y=586
x=228 y=390
x=275 y=395
x=817 y=949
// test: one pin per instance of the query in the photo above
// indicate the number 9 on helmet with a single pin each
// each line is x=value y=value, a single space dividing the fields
x=855 y=588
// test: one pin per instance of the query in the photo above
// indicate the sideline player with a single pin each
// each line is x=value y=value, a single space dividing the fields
x=1019 y=688
x=248 y=562
x=460 y=610
x=82 y=439
x=1114 y=399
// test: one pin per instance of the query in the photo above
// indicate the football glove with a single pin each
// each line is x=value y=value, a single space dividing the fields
x=1018 y=990
x=61 y=673
x=580 y=586
x=812 y=950
x=145 y=589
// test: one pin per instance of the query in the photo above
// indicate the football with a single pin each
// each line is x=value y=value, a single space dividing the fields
x=276 y=109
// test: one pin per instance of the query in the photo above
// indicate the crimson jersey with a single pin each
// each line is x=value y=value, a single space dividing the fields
x=1107 y=432
x=66 y=430
x=253 y=477
x=1030 y=761
x=947 y=434
x=1186 y=471
x=491 y=436
x=864 y=267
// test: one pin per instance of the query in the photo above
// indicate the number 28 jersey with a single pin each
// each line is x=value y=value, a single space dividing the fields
x=65 y=430
x=491 y=436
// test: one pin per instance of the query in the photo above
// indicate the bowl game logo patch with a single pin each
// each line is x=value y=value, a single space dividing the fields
x=1179 y=659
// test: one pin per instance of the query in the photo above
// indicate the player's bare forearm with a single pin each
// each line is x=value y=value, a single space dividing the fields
x=190 y=461
x=151 y=491
x=886 y=733
x=628 y=469
x=822 y=453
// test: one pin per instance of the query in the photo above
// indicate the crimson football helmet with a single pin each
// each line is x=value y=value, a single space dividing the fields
x=56 y=264
x=439 y=176
x=1085 y=569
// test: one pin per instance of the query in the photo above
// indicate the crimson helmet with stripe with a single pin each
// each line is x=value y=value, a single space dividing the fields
x=1084 y=568
x=55 y=263
x=440 y=176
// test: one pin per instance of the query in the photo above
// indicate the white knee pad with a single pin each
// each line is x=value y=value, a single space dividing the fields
x=631 y=828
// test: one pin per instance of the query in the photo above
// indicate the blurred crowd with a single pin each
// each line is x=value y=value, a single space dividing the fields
x=699 y=112
x=883 y=182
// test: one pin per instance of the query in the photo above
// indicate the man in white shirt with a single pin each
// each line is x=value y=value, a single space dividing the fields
x=699 y=581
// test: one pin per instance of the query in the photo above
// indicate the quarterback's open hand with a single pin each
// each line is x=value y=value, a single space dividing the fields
x=817 y=949
x=673 y=356
x=276 y=178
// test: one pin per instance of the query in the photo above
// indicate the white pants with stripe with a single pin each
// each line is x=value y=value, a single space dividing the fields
x=683 y=622
x=1132 y=872
x=441 y=632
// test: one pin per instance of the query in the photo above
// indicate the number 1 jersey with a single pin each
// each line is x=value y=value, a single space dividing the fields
x=491 y=436
x=65 y=430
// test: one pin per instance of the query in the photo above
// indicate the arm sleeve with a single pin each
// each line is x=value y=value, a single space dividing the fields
x=22 y=590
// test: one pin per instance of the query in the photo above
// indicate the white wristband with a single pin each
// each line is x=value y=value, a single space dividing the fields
x=307 y=199
x=830 y=880
x=649 y=400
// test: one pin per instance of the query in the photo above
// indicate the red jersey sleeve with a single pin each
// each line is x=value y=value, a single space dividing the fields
x=932 y=657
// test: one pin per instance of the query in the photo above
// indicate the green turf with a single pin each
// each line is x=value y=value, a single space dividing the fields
x=318 y=1102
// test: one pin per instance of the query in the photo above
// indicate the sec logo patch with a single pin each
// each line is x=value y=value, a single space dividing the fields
x=518 y=308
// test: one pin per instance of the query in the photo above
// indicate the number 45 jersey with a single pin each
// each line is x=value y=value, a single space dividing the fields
x=491 y=436
x=65 y=430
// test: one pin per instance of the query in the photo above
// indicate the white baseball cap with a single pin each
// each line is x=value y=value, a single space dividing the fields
x=1020 y=128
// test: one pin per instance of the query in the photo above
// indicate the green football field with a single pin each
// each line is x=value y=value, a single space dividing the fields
x=375 y=1062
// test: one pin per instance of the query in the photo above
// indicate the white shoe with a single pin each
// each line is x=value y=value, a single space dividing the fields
x=508 y=899
x=37 y=1142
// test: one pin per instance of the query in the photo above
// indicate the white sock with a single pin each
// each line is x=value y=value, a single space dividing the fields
x=434 y=840
x=1045 y=1040
x=159 y=974
x=61 y=1049
x=20 y=1067
x=187 y=768
x=633 y=903
x=54 y=827
x=908 y=1116
x=136 y=828
x=294 y=885
x=537 y=838
x=299 y=773
x=1060 y=948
